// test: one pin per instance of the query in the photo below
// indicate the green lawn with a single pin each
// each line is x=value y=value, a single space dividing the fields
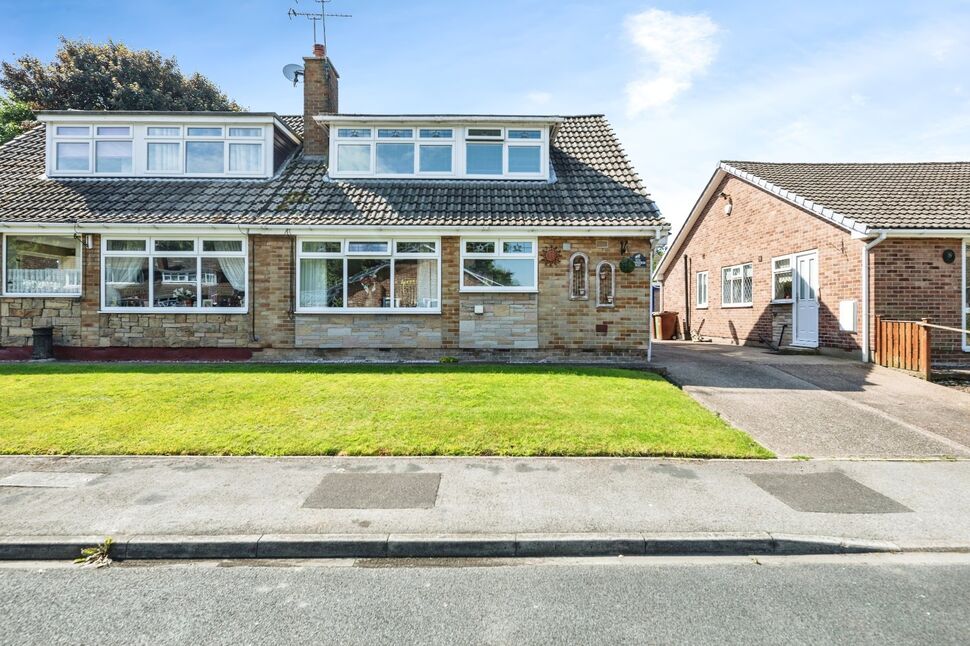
x=208 y=409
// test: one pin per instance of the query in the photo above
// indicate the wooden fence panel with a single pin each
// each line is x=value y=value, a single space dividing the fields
x=903 y=344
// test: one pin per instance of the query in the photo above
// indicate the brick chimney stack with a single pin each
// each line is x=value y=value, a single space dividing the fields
x=319 y=97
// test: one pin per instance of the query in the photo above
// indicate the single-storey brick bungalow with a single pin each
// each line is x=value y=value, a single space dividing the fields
x=807 y=255
x=152 y=235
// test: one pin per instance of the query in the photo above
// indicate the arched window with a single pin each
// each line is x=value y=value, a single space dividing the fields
x=605 y=284
x=578 y=277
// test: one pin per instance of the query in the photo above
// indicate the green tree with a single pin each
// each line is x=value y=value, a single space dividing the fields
x=15 y=117
x=108 y=76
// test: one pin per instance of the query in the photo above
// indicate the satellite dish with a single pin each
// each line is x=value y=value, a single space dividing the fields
x=293 y=72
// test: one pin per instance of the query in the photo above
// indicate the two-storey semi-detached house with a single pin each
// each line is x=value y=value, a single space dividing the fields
x=141 y=235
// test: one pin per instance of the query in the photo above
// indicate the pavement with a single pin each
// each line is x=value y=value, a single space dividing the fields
x=211 y=507
x=821 y=406
x=865 y=599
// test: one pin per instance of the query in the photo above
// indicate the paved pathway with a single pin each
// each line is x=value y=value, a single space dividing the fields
x=820 y=406
x=910 y=503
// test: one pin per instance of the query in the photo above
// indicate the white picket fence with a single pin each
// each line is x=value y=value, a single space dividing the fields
x=43 y=281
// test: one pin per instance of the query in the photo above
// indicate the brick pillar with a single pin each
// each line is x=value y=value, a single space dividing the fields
x=272 y=287
x=450 y=306
x=91 y=296
x=320 y=81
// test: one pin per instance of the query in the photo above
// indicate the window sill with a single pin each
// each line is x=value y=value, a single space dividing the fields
x=605 y=307
x=497 y=290
x=173 y=310
x=65 y=296
x=366 y=310
x=701 y=307
x=737 y=306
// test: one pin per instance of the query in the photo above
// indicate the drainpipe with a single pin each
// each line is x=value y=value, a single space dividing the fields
x=650 y=326
x=865 y=294
x=686 y=329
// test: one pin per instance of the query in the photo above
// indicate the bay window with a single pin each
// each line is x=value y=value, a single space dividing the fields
x=368 y=275
x=505 y=265
x=737 y=285
x=41 y=265
x=174 y=273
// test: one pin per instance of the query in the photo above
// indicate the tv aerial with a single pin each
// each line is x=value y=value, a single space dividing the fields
x=293 y=73
x=315 y=17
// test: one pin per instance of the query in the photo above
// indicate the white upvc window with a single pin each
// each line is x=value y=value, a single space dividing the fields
x=499 y=265
x=700 y=289
x=781 y=279
x=41 y=265
x=174 y=274
x=442 y=151
x=363 y=275
x=163 y=149
x=737 y=285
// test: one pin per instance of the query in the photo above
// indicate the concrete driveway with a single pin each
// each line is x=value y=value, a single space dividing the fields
x=821 y=406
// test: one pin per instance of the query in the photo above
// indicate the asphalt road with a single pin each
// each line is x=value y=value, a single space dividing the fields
x=883 y=599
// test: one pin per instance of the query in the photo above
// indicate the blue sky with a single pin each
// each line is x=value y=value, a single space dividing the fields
x=685 y=84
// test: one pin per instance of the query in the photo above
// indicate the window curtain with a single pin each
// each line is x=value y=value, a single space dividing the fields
x=235 y=271
x=313 y=282
x=163 y=156
x=121 y=273
x=244 y=157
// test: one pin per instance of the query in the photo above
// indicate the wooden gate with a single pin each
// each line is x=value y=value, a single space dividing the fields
x=904 y=345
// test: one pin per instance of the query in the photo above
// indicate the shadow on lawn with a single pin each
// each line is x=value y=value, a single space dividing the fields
x=79 y=368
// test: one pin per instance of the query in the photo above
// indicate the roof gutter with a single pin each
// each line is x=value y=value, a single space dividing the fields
x=923 y=233
x=612 y=231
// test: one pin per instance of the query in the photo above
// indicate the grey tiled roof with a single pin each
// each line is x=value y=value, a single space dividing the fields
x=880 y=196
x=596 y=186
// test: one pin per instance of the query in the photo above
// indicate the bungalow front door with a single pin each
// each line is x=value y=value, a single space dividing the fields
x=805 y=308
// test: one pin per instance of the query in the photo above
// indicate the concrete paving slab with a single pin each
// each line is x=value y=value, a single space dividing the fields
x=828 y=493
x=375 y=491
x=821 y=406
x=48 y=479
x=257 y=496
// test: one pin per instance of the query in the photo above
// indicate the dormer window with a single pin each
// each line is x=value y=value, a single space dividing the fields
x=394 y=150
x=153 y=145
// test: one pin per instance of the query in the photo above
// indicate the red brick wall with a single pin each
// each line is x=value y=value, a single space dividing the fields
x=911 y=281
x=762 y=227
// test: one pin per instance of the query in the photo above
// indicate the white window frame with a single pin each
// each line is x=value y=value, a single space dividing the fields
x=702 y=305
x=499 y=253
x=458 y=141
x=739 y=267
x=392 y=253
x=139 y=138
x=3 y=266
x=572 y=286
x=775 y=271
x=599 y=266
x=197 y=253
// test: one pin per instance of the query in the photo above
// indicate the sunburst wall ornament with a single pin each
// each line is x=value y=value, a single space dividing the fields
x=551 y=256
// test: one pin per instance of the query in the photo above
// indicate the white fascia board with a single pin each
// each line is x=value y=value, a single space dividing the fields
x=327 y=119
x=922 y=233
x=371 y=231
x=843 y=221
x=149 y=117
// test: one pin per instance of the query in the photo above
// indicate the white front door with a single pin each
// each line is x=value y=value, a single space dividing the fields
x=805 y=312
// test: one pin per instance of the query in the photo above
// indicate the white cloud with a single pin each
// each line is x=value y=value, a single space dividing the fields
x=539 y=98
x=674 y=50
